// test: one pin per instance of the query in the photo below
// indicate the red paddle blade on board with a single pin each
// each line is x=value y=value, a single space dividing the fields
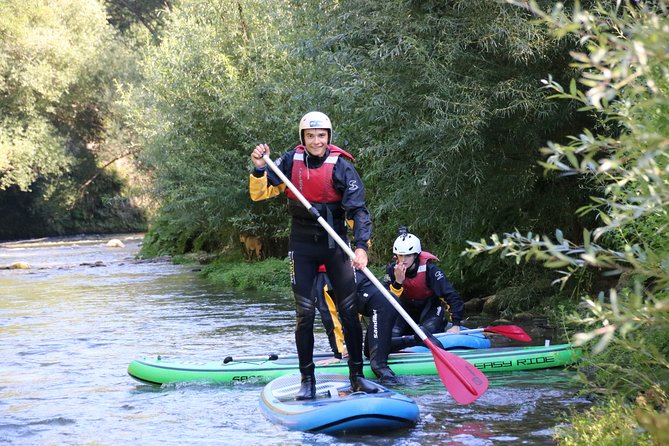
x=510 y=331
x=463 y=380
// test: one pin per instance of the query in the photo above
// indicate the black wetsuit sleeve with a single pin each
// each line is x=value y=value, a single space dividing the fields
x=348 y=182
x=285 y=164
x=389 y=276
x=389 y=281
x=442 y=288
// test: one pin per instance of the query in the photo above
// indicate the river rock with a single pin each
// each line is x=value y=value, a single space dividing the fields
x=474 y=305
x=17 y=265
x=524 y=317
x=491 y=305
x=201 y=257
x=115 y=243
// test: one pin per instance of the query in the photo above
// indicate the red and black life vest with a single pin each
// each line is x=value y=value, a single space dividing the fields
x=416 y=287
x=316 y=184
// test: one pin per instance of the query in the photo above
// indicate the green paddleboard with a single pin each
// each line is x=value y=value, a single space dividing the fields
x=159 y=370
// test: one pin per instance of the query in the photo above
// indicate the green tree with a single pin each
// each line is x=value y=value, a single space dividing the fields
x=624 y=70
x=433 y=108
x=59 y=127
x=45 y=47
x=442 y=102
x=219 y=82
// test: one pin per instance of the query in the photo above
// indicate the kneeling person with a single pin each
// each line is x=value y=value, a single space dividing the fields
x=420 y=286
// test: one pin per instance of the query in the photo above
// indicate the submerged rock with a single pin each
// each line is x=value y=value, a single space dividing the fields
x=16 y=265
x=115 y=243
x=93 y=264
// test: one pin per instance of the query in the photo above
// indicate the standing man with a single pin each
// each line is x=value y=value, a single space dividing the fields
x=323 y=173
x=420 y=286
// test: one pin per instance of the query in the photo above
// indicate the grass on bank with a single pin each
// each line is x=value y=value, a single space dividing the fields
x=271 y=274
x=267 y=275
x=611 y=423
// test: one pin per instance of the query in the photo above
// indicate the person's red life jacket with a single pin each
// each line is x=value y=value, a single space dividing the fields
x=316 y=184
x=416 y=288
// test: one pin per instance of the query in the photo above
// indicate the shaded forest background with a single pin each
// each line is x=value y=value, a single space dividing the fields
x=130 y=112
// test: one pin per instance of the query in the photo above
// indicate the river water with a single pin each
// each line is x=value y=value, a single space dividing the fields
x=70 y=325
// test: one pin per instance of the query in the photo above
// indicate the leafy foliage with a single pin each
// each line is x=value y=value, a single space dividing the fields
x=59 y=132
x=625 y=72
x=443 y=112
x=447 y=112
x=42 y=54
x=235 y=86
x=610 y=425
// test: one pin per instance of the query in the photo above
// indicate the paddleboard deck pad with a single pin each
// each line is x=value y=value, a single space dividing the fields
x=336 y=409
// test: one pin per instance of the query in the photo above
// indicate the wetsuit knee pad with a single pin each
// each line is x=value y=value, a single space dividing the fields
x=433 y=324
x=348 y=307
x=304 y=306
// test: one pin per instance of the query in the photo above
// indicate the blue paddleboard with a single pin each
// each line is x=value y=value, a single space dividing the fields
x=336 y=409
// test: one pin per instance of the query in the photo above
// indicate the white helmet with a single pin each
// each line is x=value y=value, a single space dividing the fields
x=315 y=120
x=406 y=244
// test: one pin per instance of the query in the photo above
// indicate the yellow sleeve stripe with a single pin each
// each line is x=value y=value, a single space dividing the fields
x=396 y=291
x=260 y=190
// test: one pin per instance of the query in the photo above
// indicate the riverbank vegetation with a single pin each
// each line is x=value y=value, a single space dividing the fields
x=67 y=155
x=624 y=69
x=269 y=275
x=537 y=131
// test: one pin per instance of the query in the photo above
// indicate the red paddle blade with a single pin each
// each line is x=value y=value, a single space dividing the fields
x=510 y=331
x=463 y=380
